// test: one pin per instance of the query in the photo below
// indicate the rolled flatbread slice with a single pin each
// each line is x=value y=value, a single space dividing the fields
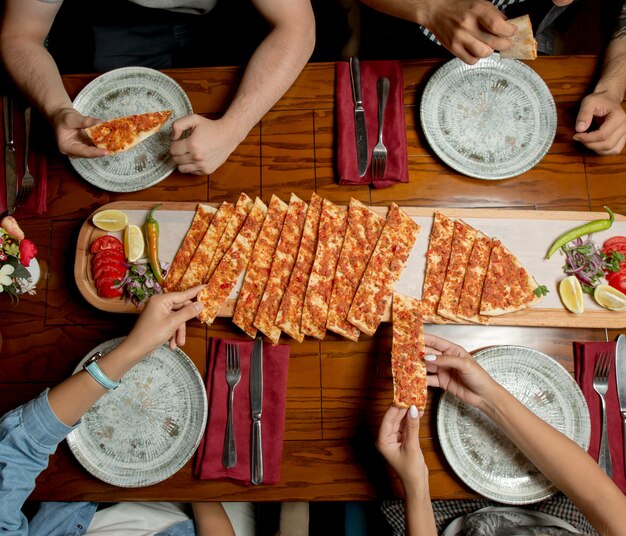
x=524 y=45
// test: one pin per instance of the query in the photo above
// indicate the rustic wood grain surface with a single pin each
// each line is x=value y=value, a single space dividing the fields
x=337 y=389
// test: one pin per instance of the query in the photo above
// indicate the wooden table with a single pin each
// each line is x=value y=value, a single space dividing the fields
x=337 y=389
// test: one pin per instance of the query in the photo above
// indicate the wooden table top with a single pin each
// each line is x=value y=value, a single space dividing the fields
x=337 y=389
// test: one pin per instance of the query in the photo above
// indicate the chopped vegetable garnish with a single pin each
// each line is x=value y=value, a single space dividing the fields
x=541 y=290
x=585 y=260
x=140 y=282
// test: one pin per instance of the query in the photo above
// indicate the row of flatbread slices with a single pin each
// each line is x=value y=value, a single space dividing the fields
x=309 y=267
x=470 y=276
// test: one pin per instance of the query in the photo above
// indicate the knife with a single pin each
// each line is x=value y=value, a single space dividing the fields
x=620 y=380
x=359 y=116
x=256 y=408
x=10 y=167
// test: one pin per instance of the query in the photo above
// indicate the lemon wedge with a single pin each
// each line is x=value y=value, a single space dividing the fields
x=110 y=220
x=134 y=244
x=610 y=297
x=572 y=294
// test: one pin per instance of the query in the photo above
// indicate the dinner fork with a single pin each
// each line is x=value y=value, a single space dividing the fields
x=379 y=154
x=601 y=385
x=28 y=181
x=233 y=375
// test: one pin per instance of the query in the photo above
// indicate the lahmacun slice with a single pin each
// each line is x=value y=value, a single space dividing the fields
x=242 y=208
x=364 y=228
x=332 y=229
x=233 y=263
x=197 y=270
x=258 y=271
x=524 y=45
x=289 y=315
x=123 y=133
x=408 y=367
x=282 y=264
x=462 y=243
x=383 y=270
x=199 y=225
x=437 y=258
x=469 y=302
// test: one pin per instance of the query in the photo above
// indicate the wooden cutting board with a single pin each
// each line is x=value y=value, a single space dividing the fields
x=527 y=233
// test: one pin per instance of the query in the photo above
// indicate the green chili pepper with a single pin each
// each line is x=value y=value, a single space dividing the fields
x=581 y=230
x=151 y=230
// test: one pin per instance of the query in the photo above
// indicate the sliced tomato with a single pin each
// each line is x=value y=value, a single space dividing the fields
x=108 y=255
x=116 y=270
x=619 y=282
x=106 y=289
x=614 y=241
x=106 y=242
x=610 y=275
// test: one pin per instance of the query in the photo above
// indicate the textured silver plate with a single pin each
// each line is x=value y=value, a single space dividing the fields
x=127 y=91
x=492 y=120
x=481 y=455
x=149 y=427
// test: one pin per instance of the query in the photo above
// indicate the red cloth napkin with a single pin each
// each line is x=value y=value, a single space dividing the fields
x=585 y=354
x=208 y=463
x=394 y=129
x=37 y=163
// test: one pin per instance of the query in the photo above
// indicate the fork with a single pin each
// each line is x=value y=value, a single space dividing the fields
x=233 y=375
x=601 y=385
x=28 y=181
x=379 y=154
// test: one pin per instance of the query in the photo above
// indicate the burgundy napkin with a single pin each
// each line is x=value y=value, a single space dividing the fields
x=585 y=354
x=208 y=463
x=37 y=163
x=394 y=130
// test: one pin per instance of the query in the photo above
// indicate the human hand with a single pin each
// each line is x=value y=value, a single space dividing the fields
x=163 y=319
x=71 y=138
x=453 y=369
x=398 y=441
x=610 y=137
x=206 y=148
x=470 y=29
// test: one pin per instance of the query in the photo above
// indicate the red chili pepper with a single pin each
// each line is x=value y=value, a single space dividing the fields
x=151 y=230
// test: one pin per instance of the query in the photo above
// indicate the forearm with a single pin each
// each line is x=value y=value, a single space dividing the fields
x=211 y=519
x=418 y=508
x=613 y=78
x=35 y=73
x=273 y=68
x=411 y=10
x=72 y=398
x=561 y=460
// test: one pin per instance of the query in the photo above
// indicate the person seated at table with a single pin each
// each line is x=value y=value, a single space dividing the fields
x=473 y=29
x=30 y=433
x=591 y=498
x=271 y=70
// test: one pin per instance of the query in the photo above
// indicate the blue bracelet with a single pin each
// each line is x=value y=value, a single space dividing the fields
x=91 y=366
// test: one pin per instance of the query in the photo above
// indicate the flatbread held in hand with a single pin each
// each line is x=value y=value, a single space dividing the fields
x=123 y=133
x=524 y=45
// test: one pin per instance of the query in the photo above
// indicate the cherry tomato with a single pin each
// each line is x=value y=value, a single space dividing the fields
x=106 y=242
x=619 y=282
x=613 y=241
x=106 y=289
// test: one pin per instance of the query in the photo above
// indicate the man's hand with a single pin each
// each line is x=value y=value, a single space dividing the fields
x=208 y=146
x=73 y=141
x=398 y=441
x=470 y=29
x=610 y=137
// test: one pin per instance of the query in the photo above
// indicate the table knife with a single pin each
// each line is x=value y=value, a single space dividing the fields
x=256 y=407
x=10 y=167
x=620 y=380
x=359 y=117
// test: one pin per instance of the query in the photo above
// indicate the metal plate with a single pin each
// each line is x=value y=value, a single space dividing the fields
x=149 y=427
x=492 y=120
x=481 y=455
x=127 y=91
